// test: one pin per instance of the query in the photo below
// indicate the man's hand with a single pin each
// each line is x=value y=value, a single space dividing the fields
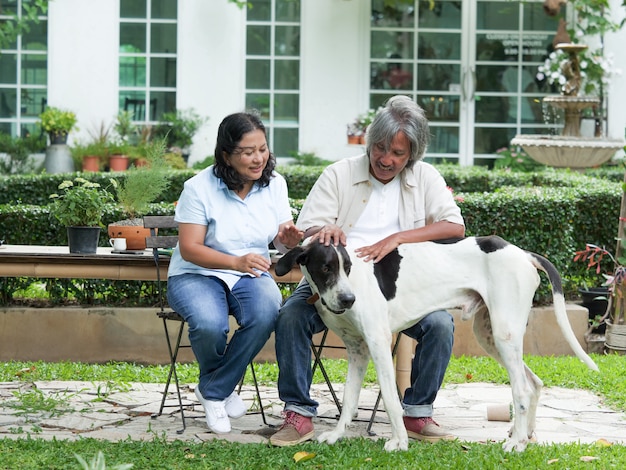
x=330 y=234
x=378 y=250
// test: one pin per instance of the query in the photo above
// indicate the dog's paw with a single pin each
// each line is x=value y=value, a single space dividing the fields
x=511 y=445
x=330 y=437
x=393 y=445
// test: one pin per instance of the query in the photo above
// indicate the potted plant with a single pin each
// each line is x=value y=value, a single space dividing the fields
x=615 y=282
x=90 y=157
x=57 y=123
x=118 y=156
x=178 y=130
x=79 y=207
x=140 y=186
x=125 y=128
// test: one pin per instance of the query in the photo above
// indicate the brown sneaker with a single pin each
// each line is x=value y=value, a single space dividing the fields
x=295 y=429
x=425 y=429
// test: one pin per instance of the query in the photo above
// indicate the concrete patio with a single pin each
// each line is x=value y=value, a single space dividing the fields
x=101 y=411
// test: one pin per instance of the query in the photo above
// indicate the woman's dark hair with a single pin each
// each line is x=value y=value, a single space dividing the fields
x=229 y=135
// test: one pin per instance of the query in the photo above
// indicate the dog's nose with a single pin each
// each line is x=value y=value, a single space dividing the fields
x=346 y=300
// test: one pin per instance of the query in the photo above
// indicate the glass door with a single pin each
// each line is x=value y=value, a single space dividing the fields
x=471 y=65
x=508 y=41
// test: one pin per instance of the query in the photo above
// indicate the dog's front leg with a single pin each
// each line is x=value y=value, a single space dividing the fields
x=385 y=370
x=358 y=358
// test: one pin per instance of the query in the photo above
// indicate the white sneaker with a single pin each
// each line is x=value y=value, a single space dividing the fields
x=216 y=417
x=235 y=407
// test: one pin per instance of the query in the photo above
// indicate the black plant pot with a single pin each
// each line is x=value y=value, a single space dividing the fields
x=83 y=240
x=596 y=300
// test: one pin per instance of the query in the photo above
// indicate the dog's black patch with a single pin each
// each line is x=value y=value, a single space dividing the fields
x=449 y=241
x=347 y=262
x=386 y=272
x=491 y=243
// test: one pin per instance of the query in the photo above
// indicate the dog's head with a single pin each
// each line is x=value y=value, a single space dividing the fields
x=326 y=268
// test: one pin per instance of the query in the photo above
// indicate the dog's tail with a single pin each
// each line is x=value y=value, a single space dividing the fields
x=559 y=307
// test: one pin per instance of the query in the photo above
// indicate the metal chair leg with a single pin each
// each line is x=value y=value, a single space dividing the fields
x=317 y=351
x=173 y=351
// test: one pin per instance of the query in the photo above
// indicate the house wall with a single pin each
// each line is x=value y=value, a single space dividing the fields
x=83 y=67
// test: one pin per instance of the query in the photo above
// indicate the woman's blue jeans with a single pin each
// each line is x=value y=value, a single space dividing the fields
x=205 y=303
x=298 y=322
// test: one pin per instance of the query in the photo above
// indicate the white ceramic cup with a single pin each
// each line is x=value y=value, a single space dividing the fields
x=118 y=244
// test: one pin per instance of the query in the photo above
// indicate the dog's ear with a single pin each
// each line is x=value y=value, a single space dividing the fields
x=288 y=261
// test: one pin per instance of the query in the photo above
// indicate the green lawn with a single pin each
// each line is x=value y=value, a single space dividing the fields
x=33 y=453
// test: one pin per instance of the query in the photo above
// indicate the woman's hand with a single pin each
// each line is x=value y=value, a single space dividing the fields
x=289 y=235
x=252 y=263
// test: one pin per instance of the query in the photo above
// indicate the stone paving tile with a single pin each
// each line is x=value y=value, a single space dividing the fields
x=115 y=413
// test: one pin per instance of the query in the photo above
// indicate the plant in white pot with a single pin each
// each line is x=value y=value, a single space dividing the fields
x=79 y=206
x=139 y=187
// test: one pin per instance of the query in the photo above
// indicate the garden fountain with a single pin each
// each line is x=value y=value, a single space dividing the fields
x=569 y=149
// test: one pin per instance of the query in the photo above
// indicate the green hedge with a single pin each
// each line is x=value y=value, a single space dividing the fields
x=552 y=212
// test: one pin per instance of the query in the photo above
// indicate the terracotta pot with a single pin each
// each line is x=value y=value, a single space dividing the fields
x=141 y=162
x=353 y=139
x=135 y=235
x=91 y=163
x=118 y=162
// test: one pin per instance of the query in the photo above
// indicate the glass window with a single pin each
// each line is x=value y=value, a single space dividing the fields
x=133 y=9
x=8 y=68
x=258 y=73
x=287 y=74
x=288 y=10
x=148 y=50
x=132 y=71
x=260 y=102
x=497 y=15
x=273 y=70
x=392 y=44
x=23 y=74
x=163 y=38
x=163 y=72
x=287 y=40
x=165 y=9
x=261 y=10
x=258 y=39
x=286 y=107
x=36 y=39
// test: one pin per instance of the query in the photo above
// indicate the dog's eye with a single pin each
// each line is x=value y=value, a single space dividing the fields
x=325 y=268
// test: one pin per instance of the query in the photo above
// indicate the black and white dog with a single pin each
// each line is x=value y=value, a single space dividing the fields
x=364 y=303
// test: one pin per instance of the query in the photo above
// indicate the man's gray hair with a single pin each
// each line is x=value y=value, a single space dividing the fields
x=400 y=113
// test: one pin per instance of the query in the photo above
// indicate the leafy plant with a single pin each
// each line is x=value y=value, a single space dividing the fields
x=18 y=150
x=124 y=126
x=99 y=463
x=57 y=121
x=515 y=159
x=81 y=203
x=594 y=255
x=144 y=184
x=179 y=128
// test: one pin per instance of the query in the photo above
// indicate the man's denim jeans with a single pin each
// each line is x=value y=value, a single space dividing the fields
x=298 y=321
